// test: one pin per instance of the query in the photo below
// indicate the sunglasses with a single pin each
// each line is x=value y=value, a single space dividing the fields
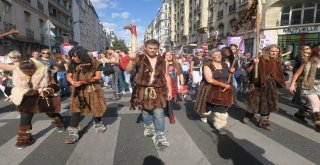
x=45 y=53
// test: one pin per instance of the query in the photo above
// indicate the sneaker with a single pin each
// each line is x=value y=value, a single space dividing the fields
x=148 y=130
x=300 y=118
x=99 y=127
x=130 y=89
x=18 y=116
x=73 y=135
x=123 y=92
x=204 y=119
x=160 y=141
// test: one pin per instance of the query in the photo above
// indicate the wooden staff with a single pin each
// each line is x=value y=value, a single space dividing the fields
x=133 y=31
x=258 y=24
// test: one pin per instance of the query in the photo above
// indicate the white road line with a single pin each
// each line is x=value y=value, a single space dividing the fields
x=182 y=148
x=2 y=124
x=10 y=155
x=261 y=147
x=97 y=149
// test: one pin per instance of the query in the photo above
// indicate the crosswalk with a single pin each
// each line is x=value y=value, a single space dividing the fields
x=191 y=141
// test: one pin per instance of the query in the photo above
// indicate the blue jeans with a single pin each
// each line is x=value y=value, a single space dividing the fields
x=155 y=116
x=63 y=84
x=127 y=79
x=121 y=81
x=235 y=86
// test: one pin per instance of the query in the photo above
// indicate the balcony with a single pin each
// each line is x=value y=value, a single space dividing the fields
x=220 y=14
x=29 y=34
x=210 y=19
x=232 y=9
x=8 y=26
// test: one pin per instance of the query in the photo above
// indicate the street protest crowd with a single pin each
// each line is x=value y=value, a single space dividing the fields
x=37 y=83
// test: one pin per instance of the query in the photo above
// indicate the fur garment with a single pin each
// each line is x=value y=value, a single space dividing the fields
x=220 y=120
x=148 y=95
x=92 y=93
x=40 y=80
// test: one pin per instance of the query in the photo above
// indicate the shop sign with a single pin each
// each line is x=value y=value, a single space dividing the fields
x=298 y=30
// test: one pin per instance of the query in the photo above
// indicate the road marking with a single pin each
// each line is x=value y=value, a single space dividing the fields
x=182 y=148
x=2 y=124
x=9 y=115
x=10 y=155
x=261 y=147
x=97 y=149
x=295 y=127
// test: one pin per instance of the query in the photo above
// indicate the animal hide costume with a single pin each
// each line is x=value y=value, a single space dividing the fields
x=25 y=94
x=89 y=97
x=148 y=95
x=206 y=91
x=262 y=95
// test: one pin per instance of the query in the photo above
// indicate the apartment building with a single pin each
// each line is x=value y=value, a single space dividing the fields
x=159 y=28
x=28 y=16
x=287 y=23
x=87 y=28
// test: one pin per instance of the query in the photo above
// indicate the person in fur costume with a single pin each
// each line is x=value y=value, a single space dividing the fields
x=151 y=91
x=32 y=93
x=87 y=96
x=215 y=80
x=262 y=95
x=311 y=84
x=176 y=75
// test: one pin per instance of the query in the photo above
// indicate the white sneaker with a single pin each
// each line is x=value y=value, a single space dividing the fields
x=18 y=116
x=160 y=141
x=148 y=130
x=123 y=92
x=130 y=89
x=204 y=119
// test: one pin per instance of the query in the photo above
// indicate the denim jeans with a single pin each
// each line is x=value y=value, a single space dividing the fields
x=127 y=79
x=235 y=86
x=155 y=116
x=115 y=79
x=121 y=81
x=63 y=84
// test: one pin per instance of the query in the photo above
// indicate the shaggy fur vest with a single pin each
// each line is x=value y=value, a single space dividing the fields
x=262 y=95
x=148 y=95
x=91 y=93
x=310 y=70
x=39 y=80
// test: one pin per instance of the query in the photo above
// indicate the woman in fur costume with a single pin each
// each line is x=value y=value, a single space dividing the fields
x=32 y=93
x=87 y=96
x=262 y=95
x=215 y=80
x=175 y=72
x=310 y=84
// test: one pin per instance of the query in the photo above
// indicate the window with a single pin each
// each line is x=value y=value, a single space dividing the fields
x=300 y=14
x=5 y=11
x=27 y=17
x=41 y=23
x=221 y=30
x=242 y=2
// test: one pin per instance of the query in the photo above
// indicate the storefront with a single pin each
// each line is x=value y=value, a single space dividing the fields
x=296 y=36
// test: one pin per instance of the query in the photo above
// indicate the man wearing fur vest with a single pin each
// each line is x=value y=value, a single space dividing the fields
x=263 y=96
x=151 y=91
x=32 y=93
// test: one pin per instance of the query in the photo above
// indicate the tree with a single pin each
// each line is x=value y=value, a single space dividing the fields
x=119 y=44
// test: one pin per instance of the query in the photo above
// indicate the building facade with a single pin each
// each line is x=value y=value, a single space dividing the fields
x=287 y=23
x=159 y=28
x=28 y=16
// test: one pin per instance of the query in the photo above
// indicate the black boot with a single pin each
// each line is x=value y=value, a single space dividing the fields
x=316 y=120
x=301 y=114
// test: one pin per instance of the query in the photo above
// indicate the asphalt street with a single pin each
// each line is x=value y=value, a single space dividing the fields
x=192 y=141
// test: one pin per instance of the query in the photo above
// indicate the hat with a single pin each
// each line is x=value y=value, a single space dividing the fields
x=14 y=54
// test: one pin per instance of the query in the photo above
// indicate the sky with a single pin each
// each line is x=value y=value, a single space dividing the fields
x=117 y=13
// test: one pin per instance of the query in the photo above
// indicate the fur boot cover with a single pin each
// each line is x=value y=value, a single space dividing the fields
x=220 y=120
x=39 y=79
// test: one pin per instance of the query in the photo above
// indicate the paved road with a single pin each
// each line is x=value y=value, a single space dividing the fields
x=192 y=141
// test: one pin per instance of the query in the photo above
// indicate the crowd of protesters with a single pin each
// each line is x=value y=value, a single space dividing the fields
x=155 y=81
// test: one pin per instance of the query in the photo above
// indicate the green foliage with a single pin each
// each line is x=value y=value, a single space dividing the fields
x=120 y=44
